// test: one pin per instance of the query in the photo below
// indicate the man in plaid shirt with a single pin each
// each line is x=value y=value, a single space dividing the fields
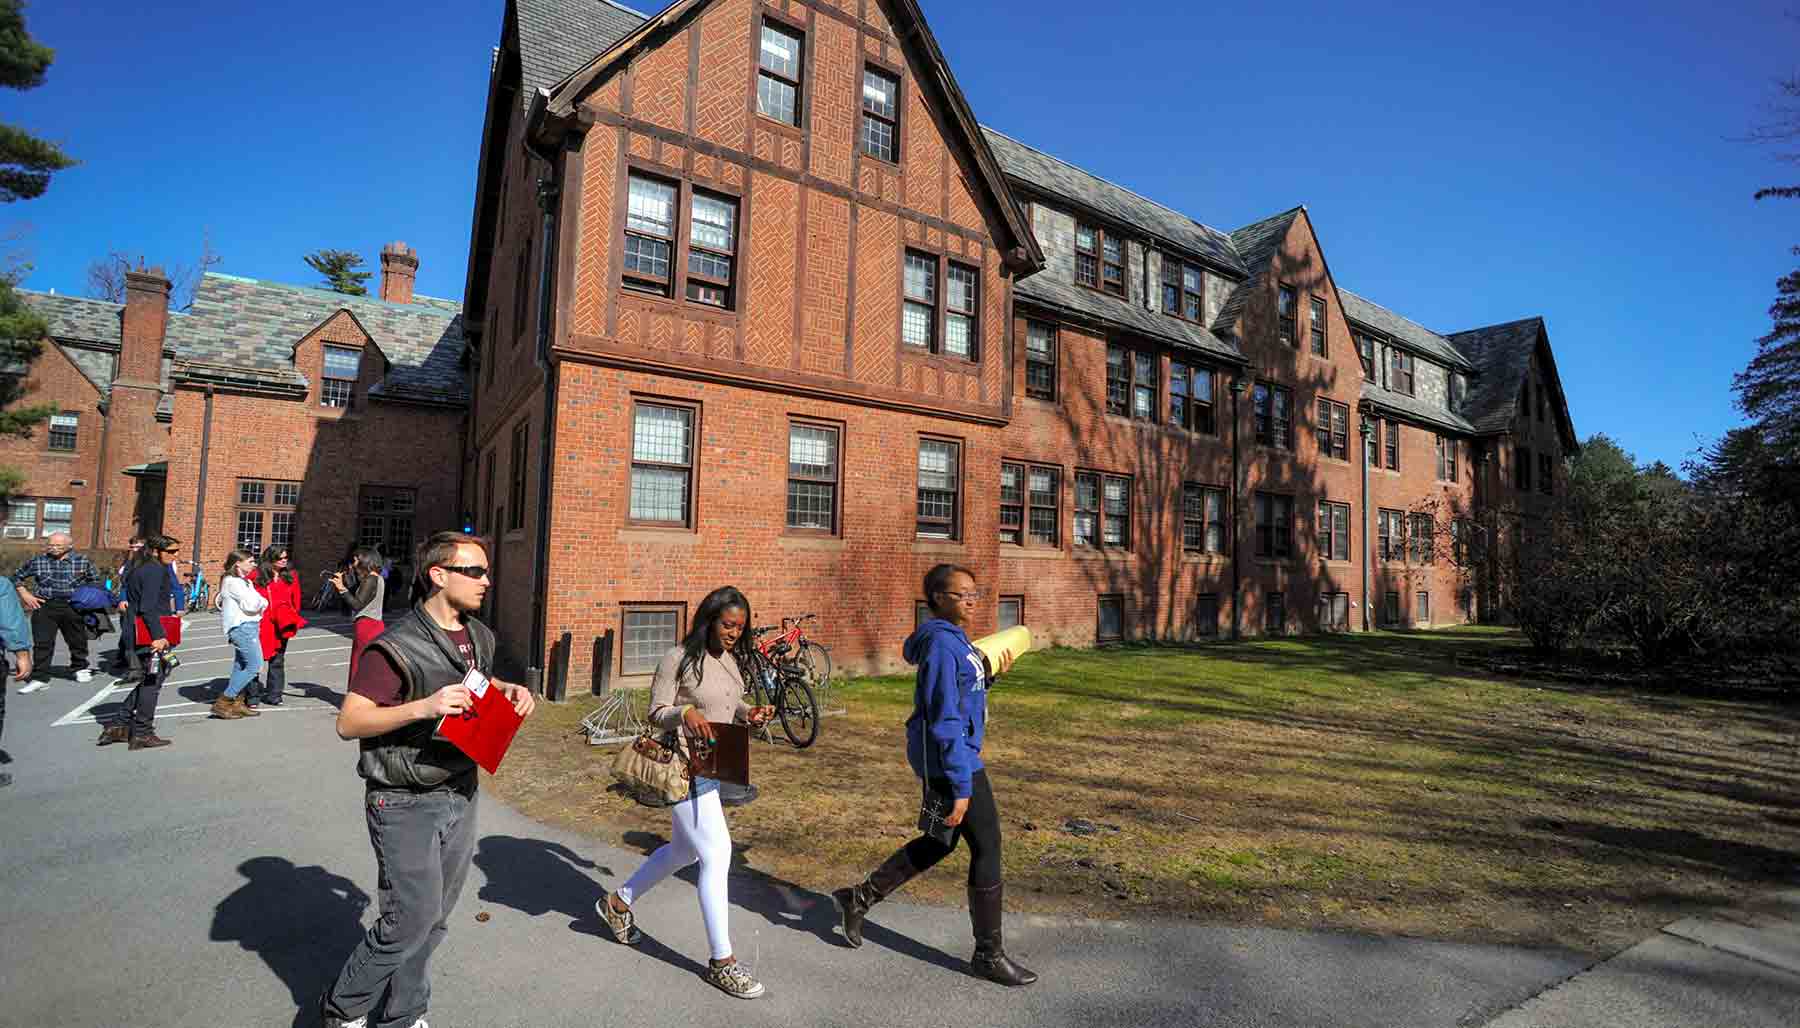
x=55 y=574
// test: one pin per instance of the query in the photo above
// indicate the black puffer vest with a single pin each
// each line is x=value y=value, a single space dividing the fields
x=409 y=757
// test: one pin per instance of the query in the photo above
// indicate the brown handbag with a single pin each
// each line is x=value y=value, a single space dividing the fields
x=653 y=769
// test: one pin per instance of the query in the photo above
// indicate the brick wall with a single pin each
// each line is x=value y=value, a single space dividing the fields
x=50 y=474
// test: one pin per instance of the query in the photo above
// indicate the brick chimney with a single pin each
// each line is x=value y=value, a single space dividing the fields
x=399 y=266
x=132 y=503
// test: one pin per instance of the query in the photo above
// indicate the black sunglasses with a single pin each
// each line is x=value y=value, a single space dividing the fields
x=467 y=570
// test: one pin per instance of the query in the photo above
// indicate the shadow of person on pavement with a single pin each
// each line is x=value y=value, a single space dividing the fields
x=537 y=877
x=785 y=904
x=302 y=922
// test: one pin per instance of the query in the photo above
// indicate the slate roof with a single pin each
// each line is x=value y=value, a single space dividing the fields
x=557 y=37
x=1039 y=170
x=1408 y=333
x=87 y=332
x=252 y=326
x=1503 y=353
x=1416 y=408
x=1067 y=296
x=1255 y=244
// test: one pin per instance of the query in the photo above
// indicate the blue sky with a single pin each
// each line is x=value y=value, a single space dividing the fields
x=1464 y=166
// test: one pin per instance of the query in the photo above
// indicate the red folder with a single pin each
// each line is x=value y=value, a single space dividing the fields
x=171 y=627
x=485 y=730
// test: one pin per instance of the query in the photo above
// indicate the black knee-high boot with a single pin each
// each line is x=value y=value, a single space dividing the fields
x=990 y=960
x=855 y=901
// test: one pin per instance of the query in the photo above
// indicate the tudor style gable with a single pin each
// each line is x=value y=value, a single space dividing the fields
x=787 y=194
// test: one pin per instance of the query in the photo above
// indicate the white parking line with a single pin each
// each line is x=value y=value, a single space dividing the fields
x=281 y=709
x=80 y=714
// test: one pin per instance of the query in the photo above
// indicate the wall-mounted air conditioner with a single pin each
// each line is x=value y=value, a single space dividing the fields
x=17 y=531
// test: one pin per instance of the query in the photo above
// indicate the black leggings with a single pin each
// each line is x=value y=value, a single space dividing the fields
x=980 y=826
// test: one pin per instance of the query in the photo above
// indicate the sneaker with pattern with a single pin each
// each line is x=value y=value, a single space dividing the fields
x=733 y=980
x=623 y=926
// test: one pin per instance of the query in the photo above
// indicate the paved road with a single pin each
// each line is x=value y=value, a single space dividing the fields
x=222 y=880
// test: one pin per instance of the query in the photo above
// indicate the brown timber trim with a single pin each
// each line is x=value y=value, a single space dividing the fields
x=630 y=356
x=807 y=180
x=628 y=80
x=799 y=343
x=850 y=299
x=806 y=95
x=568 y=238
x=616 y=248
x=693 y=76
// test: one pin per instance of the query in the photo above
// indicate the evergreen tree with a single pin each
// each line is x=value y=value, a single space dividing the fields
x=339 y=268
x=26 y=164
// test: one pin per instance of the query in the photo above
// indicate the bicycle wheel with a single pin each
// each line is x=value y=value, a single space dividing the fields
x=799 y=711
x=815 y=662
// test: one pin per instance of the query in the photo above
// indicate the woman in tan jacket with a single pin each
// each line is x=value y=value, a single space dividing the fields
x=698 y=682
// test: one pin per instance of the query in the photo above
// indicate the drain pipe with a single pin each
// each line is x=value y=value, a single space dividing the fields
x=549 y=192
x=1367 y=423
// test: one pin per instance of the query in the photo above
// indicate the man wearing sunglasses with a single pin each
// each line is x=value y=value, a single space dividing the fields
x=420 y=799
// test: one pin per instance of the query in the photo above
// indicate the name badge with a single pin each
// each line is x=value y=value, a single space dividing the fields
x=476 y=683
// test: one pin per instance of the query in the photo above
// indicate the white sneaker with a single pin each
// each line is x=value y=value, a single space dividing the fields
x=84 y=675
x=34 y=685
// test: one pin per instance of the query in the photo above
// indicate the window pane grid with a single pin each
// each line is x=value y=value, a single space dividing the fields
x=812 y=477
x=661 y=453
x=648 y=635
x=63 y=430
x=1040 y=361
x=938 y=482
x=880 y=104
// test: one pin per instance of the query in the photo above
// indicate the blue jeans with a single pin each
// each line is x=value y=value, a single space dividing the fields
x=246 y=640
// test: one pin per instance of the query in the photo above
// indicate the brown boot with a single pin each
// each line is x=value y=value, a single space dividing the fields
x=147 y=742
x=245 y=709
x=112 y=734
x=222 y=708
x=990 y=960
x=854 y=902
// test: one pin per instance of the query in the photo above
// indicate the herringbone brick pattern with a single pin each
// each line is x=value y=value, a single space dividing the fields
x=993 y=334
x=659 y=84
x=877 y=18
x=924 y=156
x=643 y=146
x=693 y=336
x=773 y=236
x=963 y=210
x=836 y=91
x=600 y=166
x=827 y=283
x=877 y=295
x=662 y=331
x=720 y=112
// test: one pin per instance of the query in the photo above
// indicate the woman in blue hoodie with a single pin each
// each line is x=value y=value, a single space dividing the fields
x=943 y=745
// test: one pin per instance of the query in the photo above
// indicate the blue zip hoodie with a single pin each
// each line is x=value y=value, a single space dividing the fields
x=15 y=627
x=949 y=697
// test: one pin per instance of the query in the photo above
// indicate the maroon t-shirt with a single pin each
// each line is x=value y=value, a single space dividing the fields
x=378 y=679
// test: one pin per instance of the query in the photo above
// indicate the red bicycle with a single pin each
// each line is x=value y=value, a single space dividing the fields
x=786 y=665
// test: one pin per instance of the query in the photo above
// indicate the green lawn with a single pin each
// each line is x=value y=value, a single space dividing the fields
x=1378 y=782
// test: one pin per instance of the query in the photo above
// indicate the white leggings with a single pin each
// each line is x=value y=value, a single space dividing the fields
x=700 y=835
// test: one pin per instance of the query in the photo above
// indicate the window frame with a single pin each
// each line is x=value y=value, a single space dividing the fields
x=266 y=506
x=1002 y=601
x=835 y=482
x=939 y=304
x=957 y=492
x=626 y=609
x=1421 y=547
x=1187 y=373
x=1546 y=472
x=1198 y=491
x=786 y=26
x=1316 y=314
x=1332 y=429
x=1522 y=468
x=1447 y=457
x=1184 y=297
x=1027 y=506
x=515 y=479
x=1100 y=602
x=691 y=468
x=1203 y=627
x=1280 y=534
x=1275 y=610
x=1422 y=607
x=1134 y=361
x=1390 y=535
x=1391 y=444
x=1101 y=264
x=1328 y=607
x=1390 y=609
x=389 y=517
x=1333 y=543
x=1405 y=368
x=1266 y=424
x=893 y=123
x=1365 y=353
x=69 y=436
x=674 y=289
x=327 y=382
x=1049 y=395
x=1102 y=516
x=1287 y=315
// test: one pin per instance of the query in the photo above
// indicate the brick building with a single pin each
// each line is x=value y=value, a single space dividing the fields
x=755 y=300
x=264 y=414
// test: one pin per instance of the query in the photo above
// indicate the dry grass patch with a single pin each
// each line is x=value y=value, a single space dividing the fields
x=1358 y=782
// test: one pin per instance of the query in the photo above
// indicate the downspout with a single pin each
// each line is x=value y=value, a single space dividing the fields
x=200 y=493
x=1237 y=514
x=549 y=190
x=1366 y=556
x=102 y=490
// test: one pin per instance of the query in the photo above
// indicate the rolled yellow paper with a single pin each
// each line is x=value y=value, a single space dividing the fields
x=1015 y=640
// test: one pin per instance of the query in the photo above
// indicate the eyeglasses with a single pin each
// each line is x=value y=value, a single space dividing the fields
x=972 y=596
x=172 y=549
x=476 y=571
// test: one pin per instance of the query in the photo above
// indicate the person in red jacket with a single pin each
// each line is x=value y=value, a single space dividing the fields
x=276 y=581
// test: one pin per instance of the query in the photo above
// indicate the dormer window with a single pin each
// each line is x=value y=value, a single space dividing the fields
x=342 y=365
x=1403 y=379
x=1181 y=289
x=1099 y=260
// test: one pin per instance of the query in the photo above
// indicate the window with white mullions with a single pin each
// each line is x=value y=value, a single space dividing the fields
x=649 y=234
x=63 y=430
x=1102 y=510
x=1334 y=530
x=1012 y=503
x=1143 y=386
x=1043 y=496
x=880 y=121
x=778 y=75
x=662 y=446
x=939 y=483
x=918 y=326
x=58 y=515
x=1316 y=327
x=712 y=238
x=961 y=302
x=1333 y=429
x=1040 y=360
x=812 y=477
x=342 y=365
x=1202 y=518
x=1087 y=509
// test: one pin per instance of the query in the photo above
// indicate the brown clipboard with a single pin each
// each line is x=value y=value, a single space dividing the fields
x=729 y=760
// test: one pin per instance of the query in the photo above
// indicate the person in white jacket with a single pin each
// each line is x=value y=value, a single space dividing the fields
x=242 y=607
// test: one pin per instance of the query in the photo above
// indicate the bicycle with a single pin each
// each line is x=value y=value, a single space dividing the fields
x=778 y=680
x=812 y=657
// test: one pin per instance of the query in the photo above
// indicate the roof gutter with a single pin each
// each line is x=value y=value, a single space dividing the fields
x=542 y=133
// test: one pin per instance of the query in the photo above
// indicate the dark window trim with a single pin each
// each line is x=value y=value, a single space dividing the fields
x=265 y=508
x=1331 y=544
x=681 y=243
x=899 y=77
x=1404 y=368
x=961 y=492
x=940 y=306
x=1133 y=354
x=1267 y=437
x=1206 y=628
x=1224 y=522
x=1332 y=429
x=1182 y=292
x=515 y=479
x=349 y=383
x=836 y=483
x=1018 y=598
x=1190 y=419
x=1098 y=254
x=1281 y=540
x=1025 y=468
x=1447 y=458
x=1273 y=601
x=1101 y=516
x=678 y=607
x=692 y=467
x=1392 y=445
x=1287 y=326
x=1421 y=548
x=1100 y=602
x=1390 y=535
x=55 y=435
x=781 y=20
x=1317 y=315
x=1055 y=347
